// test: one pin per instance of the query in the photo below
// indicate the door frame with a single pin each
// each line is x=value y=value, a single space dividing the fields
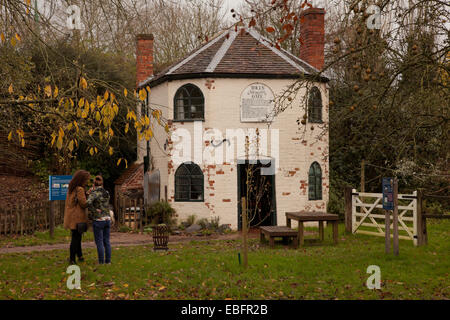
x=273 y=215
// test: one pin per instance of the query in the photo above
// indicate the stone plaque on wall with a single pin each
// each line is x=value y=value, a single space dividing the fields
x=257 y=101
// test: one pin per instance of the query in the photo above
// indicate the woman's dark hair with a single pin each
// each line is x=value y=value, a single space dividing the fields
x=80 y=178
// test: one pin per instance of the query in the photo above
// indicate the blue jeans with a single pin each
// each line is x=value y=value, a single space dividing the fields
x=102 y=230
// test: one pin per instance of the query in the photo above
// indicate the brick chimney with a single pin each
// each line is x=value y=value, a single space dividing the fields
x=144 y=57
x=312 y=29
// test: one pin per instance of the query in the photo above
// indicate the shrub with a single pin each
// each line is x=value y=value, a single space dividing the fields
x=336 y=203
x=215 y=223
x=161 y=212
x=203 y=223
x=124 y=228
x=191 y=220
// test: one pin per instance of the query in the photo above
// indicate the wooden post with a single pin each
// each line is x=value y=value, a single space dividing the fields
x=301 y=234
x=244 y=232
x=335 y=231
x=420 y=220
x=348 y=209
x=52 y=220
x=387 y=231
x=321 y=233
x=141 y=210
x=395 y=218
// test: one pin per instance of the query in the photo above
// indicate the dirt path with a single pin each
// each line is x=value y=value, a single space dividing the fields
x=123 y=240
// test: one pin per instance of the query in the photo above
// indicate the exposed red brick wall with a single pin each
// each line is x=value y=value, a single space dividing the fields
x=312 y=29
x=144 y=57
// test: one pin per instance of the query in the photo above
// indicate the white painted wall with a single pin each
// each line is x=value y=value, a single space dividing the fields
x=299 y=148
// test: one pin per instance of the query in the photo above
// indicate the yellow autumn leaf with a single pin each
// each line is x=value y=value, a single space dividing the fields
x=10 y=89
x=81 y=103
x=18 y=37
x=111 y=151
x=70 y=145
x=59 y=142
x=76 y=125
x=61 y=132
x=106 y=95
x=13 y=42
x=127 y=127
x=142 y=94
x=148 y=89
x=126 y=163
x=83 y=83
x=111 y=132
x=53 y=139
x=97 y=116
x=2 y=37
x=91 y=151
x=55 y=92
x=23 y=143
x=96 y=150
x=125 y=91
x=48 y=91
x=10 y=136
x=91 y=132
x=118 y=161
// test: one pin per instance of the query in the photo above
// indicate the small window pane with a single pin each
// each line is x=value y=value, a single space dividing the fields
x=315 y=106
x=315 y=182
x=189 y=103
x=189 y=183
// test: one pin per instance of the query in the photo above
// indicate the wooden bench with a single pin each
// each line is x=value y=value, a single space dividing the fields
x=272 y=232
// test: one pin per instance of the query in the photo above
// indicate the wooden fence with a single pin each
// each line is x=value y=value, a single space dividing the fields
x=129 y=212
x=21 y=219
x=27 y=219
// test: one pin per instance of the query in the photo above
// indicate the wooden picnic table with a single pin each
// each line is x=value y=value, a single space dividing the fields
x=304 y=216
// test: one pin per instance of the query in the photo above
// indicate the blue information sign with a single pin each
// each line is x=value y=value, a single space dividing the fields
x=388 y=193
x=58 y=186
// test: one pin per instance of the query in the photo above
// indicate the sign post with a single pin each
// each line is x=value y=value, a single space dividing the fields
x=57 y=187
x=395 y=218
x=388 y=205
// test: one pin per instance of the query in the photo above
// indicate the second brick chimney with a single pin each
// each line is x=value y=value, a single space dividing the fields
x=144 y=57
x=312 y=29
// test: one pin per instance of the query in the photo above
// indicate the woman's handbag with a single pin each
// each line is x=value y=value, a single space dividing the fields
x=82 y=227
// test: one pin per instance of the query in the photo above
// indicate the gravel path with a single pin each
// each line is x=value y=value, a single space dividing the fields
x=119 y=239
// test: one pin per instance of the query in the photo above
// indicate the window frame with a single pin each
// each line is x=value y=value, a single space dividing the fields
x=315 y=113
x=318 y=192
x=189 y=98
x=190 y=167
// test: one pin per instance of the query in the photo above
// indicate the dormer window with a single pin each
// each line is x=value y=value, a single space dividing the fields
x=189 y=103
x=315 y=106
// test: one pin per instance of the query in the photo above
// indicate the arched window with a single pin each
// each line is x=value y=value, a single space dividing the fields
x=189 y=103
x=315 y=106
x=315 y=182
x=189 y=182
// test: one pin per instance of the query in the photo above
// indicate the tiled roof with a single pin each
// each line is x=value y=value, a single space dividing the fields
x=232 y=53
x=128 y=173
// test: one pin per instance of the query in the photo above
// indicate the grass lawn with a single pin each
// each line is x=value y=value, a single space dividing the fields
x=61 y=235
x=210 y=270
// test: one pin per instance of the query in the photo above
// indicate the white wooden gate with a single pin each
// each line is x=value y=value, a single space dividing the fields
x=368 y=216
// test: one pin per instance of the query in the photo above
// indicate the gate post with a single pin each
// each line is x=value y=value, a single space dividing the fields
x=348 y=208
x=420 y=221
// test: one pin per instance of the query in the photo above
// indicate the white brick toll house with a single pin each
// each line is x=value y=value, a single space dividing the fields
x=230 y=83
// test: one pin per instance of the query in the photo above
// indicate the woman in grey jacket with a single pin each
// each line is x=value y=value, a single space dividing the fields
x=98 y=207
